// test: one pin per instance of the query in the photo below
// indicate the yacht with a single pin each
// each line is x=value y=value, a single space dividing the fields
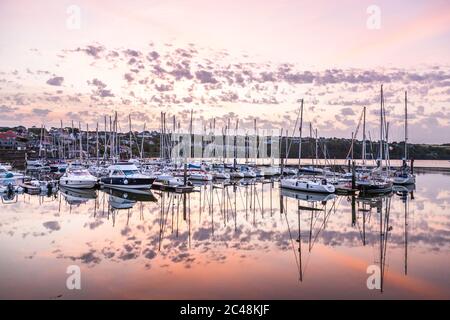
x=200 y=176
x=236 y=175
x=6 y=165
x=320 y=186
x=374 y=186
x=58 y=167
x=169 y=180
x=221 y=175
x=268 y=171
x=404 y=177
x=6 y=173
x=125 y=175
x=78 y=177
x=37 y=165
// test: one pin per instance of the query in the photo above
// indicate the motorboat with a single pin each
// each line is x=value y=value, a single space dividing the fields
x=320 y=185
x=37 y=165
x=125 y=175
x=78 y=177
x=168 y=179
x=58 y=167
x=6 y=173
x=220 y=175
x=200 y=176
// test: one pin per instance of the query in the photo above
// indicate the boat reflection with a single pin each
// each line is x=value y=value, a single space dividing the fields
x=307 y=196
x=77 y=196
x=131 y=195
x=245 y=220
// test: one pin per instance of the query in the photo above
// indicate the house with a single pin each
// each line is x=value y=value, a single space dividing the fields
x=8 y=140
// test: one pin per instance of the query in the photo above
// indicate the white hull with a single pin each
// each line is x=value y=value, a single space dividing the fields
x=127 y=187
x=411 y=179
x=308 y=186
x=200 y=177
x=221 y=175
x=67 y=183
x=236 y=175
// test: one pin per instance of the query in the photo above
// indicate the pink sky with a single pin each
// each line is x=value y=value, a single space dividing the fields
x=312 y=35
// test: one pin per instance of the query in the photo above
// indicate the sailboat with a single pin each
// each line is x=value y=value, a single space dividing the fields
x=377 y=182
x=305 y=184
x=405 y=176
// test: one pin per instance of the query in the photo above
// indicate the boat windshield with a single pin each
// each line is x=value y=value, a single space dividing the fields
x=78 y=172
x=130 y=172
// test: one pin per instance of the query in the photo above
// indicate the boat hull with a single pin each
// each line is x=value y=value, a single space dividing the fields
x=404 y=180
x=127 y=183
x=75 y=184
x=306 y=186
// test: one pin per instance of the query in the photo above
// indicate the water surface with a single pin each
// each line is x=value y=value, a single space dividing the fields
x=245 y=241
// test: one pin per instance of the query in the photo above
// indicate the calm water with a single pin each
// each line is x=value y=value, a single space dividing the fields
x=233 y=242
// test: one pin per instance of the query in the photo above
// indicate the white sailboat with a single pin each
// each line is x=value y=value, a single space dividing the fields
x=320 y=185
x=305 y=184
x=404 y=176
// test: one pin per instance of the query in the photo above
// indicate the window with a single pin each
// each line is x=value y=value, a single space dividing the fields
x=129 y=172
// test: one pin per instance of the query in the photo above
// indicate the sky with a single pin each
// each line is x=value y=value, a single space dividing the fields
x=82 y=60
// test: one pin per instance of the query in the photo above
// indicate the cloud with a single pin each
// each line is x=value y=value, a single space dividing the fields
x=92 y=50
x=52 y=225
x=101 y=90
x=55 y=81
x=205 y=76
x=347 y=112
x=7 y=109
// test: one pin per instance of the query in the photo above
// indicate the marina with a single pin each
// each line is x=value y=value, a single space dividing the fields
x=224 y=159
x=247 y=239
x=219 y=212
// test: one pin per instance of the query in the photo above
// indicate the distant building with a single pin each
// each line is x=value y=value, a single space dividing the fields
x=10 y=140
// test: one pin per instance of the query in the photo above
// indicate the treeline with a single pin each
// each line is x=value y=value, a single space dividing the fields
x=339 y=149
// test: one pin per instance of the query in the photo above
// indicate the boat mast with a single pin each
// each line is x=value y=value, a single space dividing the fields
x=111 y=148
x=87 y=140
x=381 y=128
x=364 y=138
x=131 y=142
x=300 y=135
x=317 y=145
x=97 y=144
x=406 y=126
x=72 y=143
x=40 y=142
x=142 y=142
x=256 y=141
x=105 y=145
x=81 y=137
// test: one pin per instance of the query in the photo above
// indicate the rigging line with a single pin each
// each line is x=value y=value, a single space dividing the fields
x=325 y=221
x=292 y=242
x=293 y=133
